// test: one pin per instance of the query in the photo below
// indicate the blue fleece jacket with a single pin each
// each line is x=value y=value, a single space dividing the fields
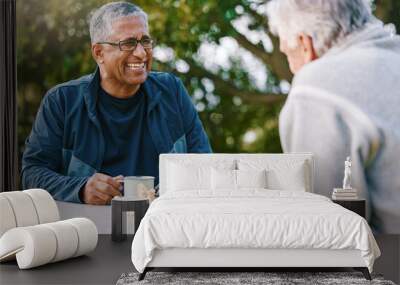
x=66 y=145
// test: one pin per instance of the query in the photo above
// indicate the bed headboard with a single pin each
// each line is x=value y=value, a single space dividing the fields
x=218 y=158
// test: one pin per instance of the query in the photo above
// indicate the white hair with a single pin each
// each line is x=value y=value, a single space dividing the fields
x=325 y=21
x=101 y=20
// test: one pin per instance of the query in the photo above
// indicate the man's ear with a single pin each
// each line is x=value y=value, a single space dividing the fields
x=97 y=53
x=307 y=48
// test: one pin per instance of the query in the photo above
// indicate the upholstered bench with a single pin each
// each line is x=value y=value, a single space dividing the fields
x=31 y=231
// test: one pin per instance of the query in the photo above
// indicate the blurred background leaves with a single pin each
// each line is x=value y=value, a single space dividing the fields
x=222 y=50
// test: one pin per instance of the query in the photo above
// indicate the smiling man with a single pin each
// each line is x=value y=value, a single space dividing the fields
x=92 y=131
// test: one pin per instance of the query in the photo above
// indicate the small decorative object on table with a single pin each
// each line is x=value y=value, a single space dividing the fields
x=347 y=174
x=347 y=196
x=138 y=193
x=347 y=192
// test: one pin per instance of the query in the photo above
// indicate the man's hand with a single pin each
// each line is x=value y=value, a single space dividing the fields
x=100 y=189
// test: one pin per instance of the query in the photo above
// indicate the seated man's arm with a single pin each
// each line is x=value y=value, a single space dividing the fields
x=42 y=158
x=43 y=165
x=196 y=138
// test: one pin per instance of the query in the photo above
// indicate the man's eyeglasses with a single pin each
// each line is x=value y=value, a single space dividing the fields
x=131 y=44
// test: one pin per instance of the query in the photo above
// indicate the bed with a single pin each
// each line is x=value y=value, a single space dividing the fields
x=246 y=211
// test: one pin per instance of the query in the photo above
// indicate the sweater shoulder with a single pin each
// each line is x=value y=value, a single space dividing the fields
x=324 y=71
x=353 y=68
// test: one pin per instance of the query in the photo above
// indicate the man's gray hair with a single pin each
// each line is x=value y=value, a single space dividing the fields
x=101 y=20
x=325 y=21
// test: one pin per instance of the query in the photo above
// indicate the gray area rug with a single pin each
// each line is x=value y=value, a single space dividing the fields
x=231 y=278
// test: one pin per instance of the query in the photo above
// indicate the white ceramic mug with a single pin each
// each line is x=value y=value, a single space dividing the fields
x=137 y=187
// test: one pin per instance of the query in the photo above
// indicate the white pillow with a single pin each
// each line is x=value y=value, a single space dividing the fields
x=287 y=177
x=226 y=179
x=281 y=174
x=251 y=178
x=182 y=177
x=223 y=179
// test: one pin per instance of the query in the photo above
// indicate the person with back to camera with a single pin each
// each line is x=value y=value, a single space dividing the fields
x=345 y=98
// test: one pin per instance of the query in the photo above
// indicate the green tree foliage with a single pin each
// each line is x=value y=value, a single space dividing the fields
x=240 y=114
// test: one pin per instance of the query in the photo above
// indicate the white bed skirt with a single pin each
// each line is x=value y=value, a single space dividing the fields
x=234 y=257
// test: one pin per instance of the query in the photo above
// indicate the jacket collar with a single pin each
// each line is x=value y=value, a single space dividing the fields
x=91 y=93
x=153 y=91
x=151 y=87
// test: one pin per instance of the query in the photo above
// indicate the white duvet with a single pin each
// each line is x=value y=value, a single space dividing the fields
x=250 y=219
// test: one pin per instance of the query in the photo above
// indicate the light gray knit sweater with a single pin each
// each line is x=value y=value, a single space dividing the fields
x=347 y=103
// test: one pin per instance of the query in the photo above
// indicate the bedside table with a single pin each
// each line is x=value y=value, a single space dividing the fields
x=119 y=205
x=357 y=205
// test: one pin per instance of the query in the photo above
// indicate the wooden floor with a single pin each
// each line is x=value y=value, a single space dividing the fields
x=106 y=264
x=102 y=266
